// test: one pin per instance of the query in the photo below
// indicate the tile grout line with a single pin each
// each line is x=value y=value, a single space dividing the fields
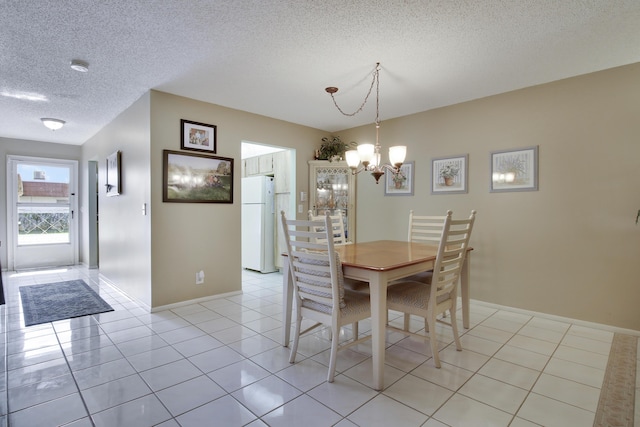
x=564 y=335
x=73 y=376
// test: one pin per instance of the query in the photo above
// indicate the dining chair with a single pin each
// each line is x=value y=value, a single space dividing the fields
x=319 y=293
x=425 y=229
x=422 y=229
x=337 y=225
x=441 y=294
x=340 y=238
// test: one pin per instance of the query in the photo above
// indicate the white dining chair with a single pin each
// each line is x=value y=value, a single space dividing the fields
x=441 y=294
x=340 y=238
x=337 y=225
x=319 y=293
x=422 y=229
x=425 y=229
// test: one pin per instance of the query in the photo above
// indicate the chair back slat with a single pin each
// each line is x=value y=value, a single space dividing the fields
x=337 y=226
x=452 y=251
x=425 y=228
x=313 y=262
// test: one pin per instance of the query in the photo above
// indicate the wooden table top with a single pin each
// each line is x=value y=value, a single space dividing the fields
x=381 y=255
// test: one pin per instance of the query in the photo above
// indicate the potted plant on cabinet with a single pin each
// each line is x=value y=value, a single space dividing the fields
x=333 y=148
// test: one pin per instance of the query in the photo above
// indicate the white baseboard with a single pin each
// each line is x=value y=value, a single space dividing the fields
x=194 y=301
x=559 y=318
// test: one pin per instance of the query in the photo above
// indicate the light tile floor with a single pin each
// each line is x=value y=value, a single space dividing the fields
x=220 y=363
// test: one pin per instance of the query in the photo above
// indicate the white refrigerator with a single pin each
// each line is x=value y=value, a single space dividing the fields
x=258 y=224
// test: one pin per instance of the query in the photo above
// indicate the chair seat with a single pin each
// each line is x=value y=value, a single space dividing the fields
x=411 y=293
x=355 y=304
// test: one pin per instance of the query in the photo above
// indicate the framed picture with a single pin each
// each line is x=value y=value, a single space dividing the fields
x=196 y=178
x=114 y=184
x=450 y=175
x=197 y=136
x=400 y=184
x=514 y=170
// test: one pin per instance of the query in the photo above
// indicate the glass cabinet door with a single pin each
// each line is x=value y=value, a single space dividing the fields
x=332 y=188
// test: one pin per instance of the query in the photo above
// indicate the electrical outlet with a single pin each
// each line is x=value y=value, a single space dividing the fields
x=200 y=277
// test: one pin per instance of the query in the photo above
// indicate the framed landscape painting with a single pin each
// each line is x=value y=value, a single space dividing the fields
x=196 y=178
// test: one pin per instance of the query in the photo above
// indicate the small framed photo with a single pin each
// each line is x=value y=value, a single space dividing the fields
x=514 y=170
x=198 y=136
x=401 y=183
x=196 y=178
x=450 y=175
x=114 y=182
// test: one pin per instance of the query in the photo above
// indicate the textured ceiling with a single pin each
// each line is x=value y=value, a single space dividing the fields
x=275 y=57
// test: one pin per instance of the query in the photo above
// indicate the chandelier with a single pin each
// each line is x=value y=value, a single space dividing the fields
x=367 y=156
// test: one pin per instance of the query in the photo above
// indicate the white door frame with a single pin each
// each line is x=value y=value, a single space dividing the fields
x=12 y=198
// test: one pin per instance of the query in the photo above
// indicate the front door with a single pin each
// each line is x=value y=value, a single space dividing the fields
x=41 y=212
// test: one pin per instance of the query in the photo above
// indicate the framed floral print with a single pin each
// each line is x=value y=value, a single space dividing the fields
x=401 y=183
x=514 y=170
x=449 y=175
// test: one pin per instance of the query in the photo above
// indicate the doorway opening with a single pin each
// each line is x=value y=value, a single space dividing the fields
x=93 y=258
x=276 y=166
x=42 y=206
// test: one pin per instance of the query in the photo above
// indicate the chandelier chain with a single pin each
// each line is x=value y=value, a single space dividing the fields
x=375 y=80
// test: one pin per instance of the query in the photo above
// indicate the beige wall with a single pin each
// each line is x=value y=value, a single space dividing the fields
x=124 y=232
x=189 y=237
x=154 y=258
x=570 y=249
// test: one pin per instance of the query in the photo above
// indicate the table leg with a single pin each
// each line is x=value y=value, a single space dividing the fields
x=287 y=301
x=378 y=292
x=464 y=289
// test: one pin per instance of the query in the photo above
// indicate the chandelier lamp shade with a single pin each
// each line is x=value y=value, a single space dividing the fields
x=367 y=156
x=53 y=124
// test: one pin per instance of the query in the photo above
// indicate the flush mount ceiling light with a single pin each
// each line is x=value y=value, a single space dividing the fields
x=53 y=124
x=79 y=65
x=27 y=96
x=367 y=156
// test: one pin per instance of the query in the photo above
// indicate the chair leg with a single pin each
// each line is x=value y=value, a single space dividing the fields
x=332 y=358
x=296 y=337
x=431 y=320
x=354 y=329
x=407 y=321
x=454 y=326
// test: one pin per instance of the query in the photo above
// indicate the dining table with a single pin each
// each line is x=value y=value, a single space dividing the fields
x=379 y=263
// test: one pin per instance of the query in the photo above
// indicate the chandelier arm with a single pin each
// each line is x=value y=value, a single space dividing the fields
x=393 y=169
x=366 y=98
x=358 y=169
